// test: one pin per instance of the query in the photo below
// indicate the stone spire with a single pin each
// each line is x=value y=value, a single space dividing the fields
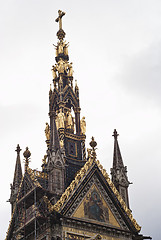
x=54 y=139
x=119 y=172
x=17 y=177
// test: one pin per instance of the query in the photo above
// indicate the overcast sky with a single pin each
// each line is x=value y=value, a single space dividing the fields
x=115 y=47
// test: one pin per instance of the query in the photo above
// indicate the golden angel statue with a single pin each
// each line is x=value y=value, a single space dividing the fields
x=61 y=119
x=66 y=45
x=54 y=72
x=70 y=67
x=47 y=131
x=60 y=66
x=70 y=122
x=83 y=125
x=60 y=47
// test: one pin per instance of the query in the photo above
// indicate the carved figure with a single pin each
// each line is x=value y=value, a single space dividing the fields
x=54 y=72
x=60 y=48
x=70 y=123
x=47 y=131
x=65 y=66
x=61 y=143
x=60 y=66
x=61 y=119
x=66 y=45
x=70 y=73
x=89 y=152
x=83 y=125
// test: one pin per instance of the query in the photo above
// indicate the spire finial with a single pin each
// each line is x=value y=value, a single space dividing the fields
x=27 y=155
x=93 y=144
x=115 y=134
x=18 y=149
x=60 y=33
x=59 y=18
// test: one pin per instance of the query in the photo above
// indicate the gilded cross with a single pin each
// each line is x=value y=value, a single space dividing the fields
x=59 y=18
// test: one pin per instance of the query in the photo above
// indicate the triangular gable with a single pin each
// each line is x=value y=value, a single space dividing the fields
x=69 y=94
x=76 y=185
x=94 y=207
x=29 y=181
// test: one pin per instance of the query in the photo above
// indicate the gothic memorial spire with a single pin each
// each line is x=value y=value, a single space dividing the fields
x=64 y=111
x=73 y=196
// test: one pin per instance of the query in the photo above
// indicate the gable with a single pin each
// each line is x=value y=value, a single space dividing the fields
x=25 y=187
x=94 y=207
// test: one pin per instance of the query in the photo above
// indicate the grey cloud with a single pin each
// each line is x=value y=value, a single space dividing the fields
x=142 y=73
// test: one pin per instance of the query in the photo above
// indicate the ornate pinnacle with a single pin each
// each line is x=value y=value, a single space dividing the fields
x=27 y=155
x=115 y=134
x=93 y=144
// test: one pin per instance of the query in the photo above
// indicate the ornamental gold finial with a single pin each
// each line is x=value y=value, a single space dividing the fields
x=27 y=155
x=93 y=144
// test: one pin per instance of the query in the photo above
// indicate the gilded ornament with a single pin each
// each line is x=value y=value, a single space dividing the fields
x=60 y=66
x=83 y=125
x=70 y=121
x=60 y=47
x=59 y=18
x=60 y=119
x=66 y=45
x=70 y=67
x=89 y=152
x=61 y=143
x=54 y=72
x=47 y=131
